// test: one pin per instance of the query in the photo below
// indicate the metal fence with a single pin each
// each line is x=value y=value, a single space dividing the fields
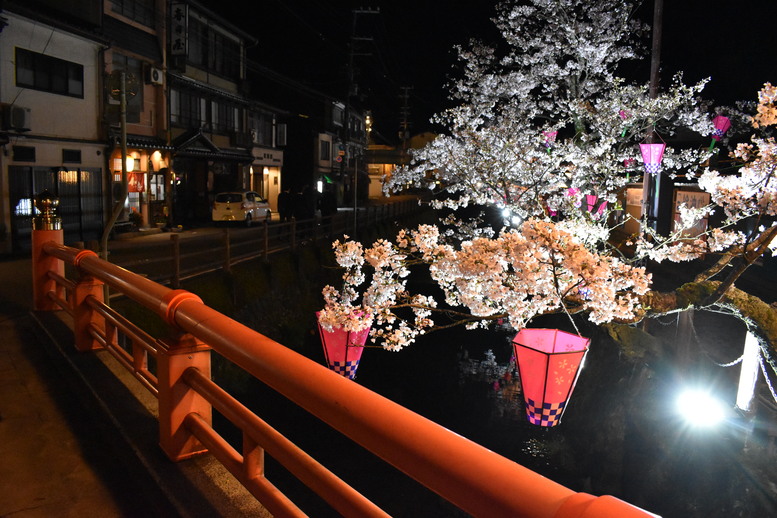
x=185 y=258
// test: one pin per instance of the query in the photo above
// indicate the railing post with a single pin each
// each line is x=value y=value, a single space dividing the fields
x=176 y=398
x=227 y=251
x=253 y=458
x=45 y=228
x=293 y=233
x=266 y=241
x=175 y=277
x=84 y=317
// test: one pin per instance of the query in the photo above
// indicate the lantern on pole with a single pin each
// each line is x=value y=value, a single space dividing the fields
x=549 y=362
x=651 y=156
x=722 y=124
x=343 y=349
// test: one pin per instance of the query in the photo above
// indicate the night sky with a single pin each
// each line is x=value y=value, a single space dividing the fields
x=733 y=42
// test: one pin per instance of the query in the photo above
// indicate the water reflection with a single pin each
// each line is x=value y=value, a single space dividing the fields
x=618 y=436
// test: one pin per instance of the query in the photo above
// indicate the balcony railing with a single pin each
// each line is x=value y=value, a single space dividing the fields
x=469 y=476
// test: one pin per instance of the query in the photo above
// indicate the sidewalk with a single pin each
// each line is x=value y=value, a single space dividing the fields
x=58 y=457
x=76 y=440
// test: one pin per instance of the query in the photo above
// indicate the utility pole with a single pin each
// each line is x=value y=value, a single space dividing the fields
x=118 y=84
x=651 y=183
x=351 y=92
x=404 y=121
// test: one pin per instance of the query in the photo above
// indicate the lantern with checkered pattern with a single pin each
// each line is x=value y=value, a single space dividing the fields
x=651 y=156
x=343 y=349
x=549 y=362
x=721 y=124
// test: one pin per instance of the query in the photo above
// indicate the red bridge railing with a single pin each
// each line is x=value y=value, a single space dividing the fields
x=471 y=477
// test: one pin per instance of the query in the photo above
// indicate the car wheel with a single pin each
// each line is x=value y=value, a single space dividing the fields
x=268 y=215
x=248 y=219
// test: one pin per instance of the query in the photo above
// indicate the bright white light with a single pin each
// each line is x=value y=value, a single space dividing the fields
x=700 y=409
x=749 y=373
x=505 y=213
x=516 y=221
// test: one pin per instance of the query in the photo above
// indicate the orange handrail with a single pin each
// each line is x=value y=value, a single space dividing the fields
x=466 y=474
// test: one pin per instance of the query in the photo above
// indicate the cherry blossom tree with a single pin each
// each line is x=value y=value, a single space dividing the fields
x=546 y=133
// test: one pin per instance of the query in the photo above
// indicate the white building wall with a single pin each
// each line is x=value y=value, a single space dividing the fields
x=56 y=121
x=52 y=115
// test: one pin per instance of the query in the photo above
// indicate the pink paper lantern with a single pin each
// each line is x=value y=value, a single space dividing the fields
x=591 y=201
x=722 y=124
x=343 y=349
x=550 y=137
x=549 y=363
x=651 y=156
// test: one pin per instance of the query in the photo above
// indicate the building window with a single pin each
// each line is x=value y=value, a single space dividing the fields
x=260 y=124
x=326 y=150
x=225 y=117
x=49 y=74
x=141 y=11
x=71 y=156
x=185 y=109
x=338 y=114
x=24 y=154
x=225 y=59
x=198 y=42
x=280 y=138
x=213 y=50
x=133 y=69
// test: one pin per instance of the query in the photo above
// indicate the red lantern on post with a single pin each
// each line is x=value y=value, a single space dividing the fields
x=549 y=362
x=651 y=156
x=343 y=349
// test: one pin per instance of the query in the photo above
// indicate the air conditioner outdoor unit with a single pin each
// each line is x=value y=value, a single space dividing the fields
x=155 y=76
x=16 y=118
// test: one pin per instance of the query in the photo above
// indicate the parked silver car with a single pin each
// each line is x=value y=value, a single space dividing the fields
x=244 y=206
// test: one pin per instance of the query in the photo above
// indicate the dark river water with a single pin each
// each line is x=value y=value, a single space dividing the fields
x=620 y=434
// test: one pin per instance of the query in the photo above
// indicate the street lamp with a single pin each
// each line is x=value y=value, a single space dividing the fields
x=700 y=409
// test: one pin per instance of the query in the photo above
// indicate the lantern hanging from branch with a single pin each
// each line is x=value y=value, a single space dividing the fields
x=591 y=201
x=550 y=138
x=625 y=115
x=343 y=349
x=549 y=362
x=651 y=156
x=722 y=124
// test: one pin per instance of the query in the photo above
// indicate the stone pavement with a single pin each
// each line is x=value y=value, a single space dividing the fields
x=58 y=459
x=76 y=440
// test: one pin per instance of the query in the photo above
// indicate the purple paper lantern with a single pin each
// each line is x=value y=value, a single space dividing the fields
x=550 y=138
x=651 y=156
x=722 y=124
